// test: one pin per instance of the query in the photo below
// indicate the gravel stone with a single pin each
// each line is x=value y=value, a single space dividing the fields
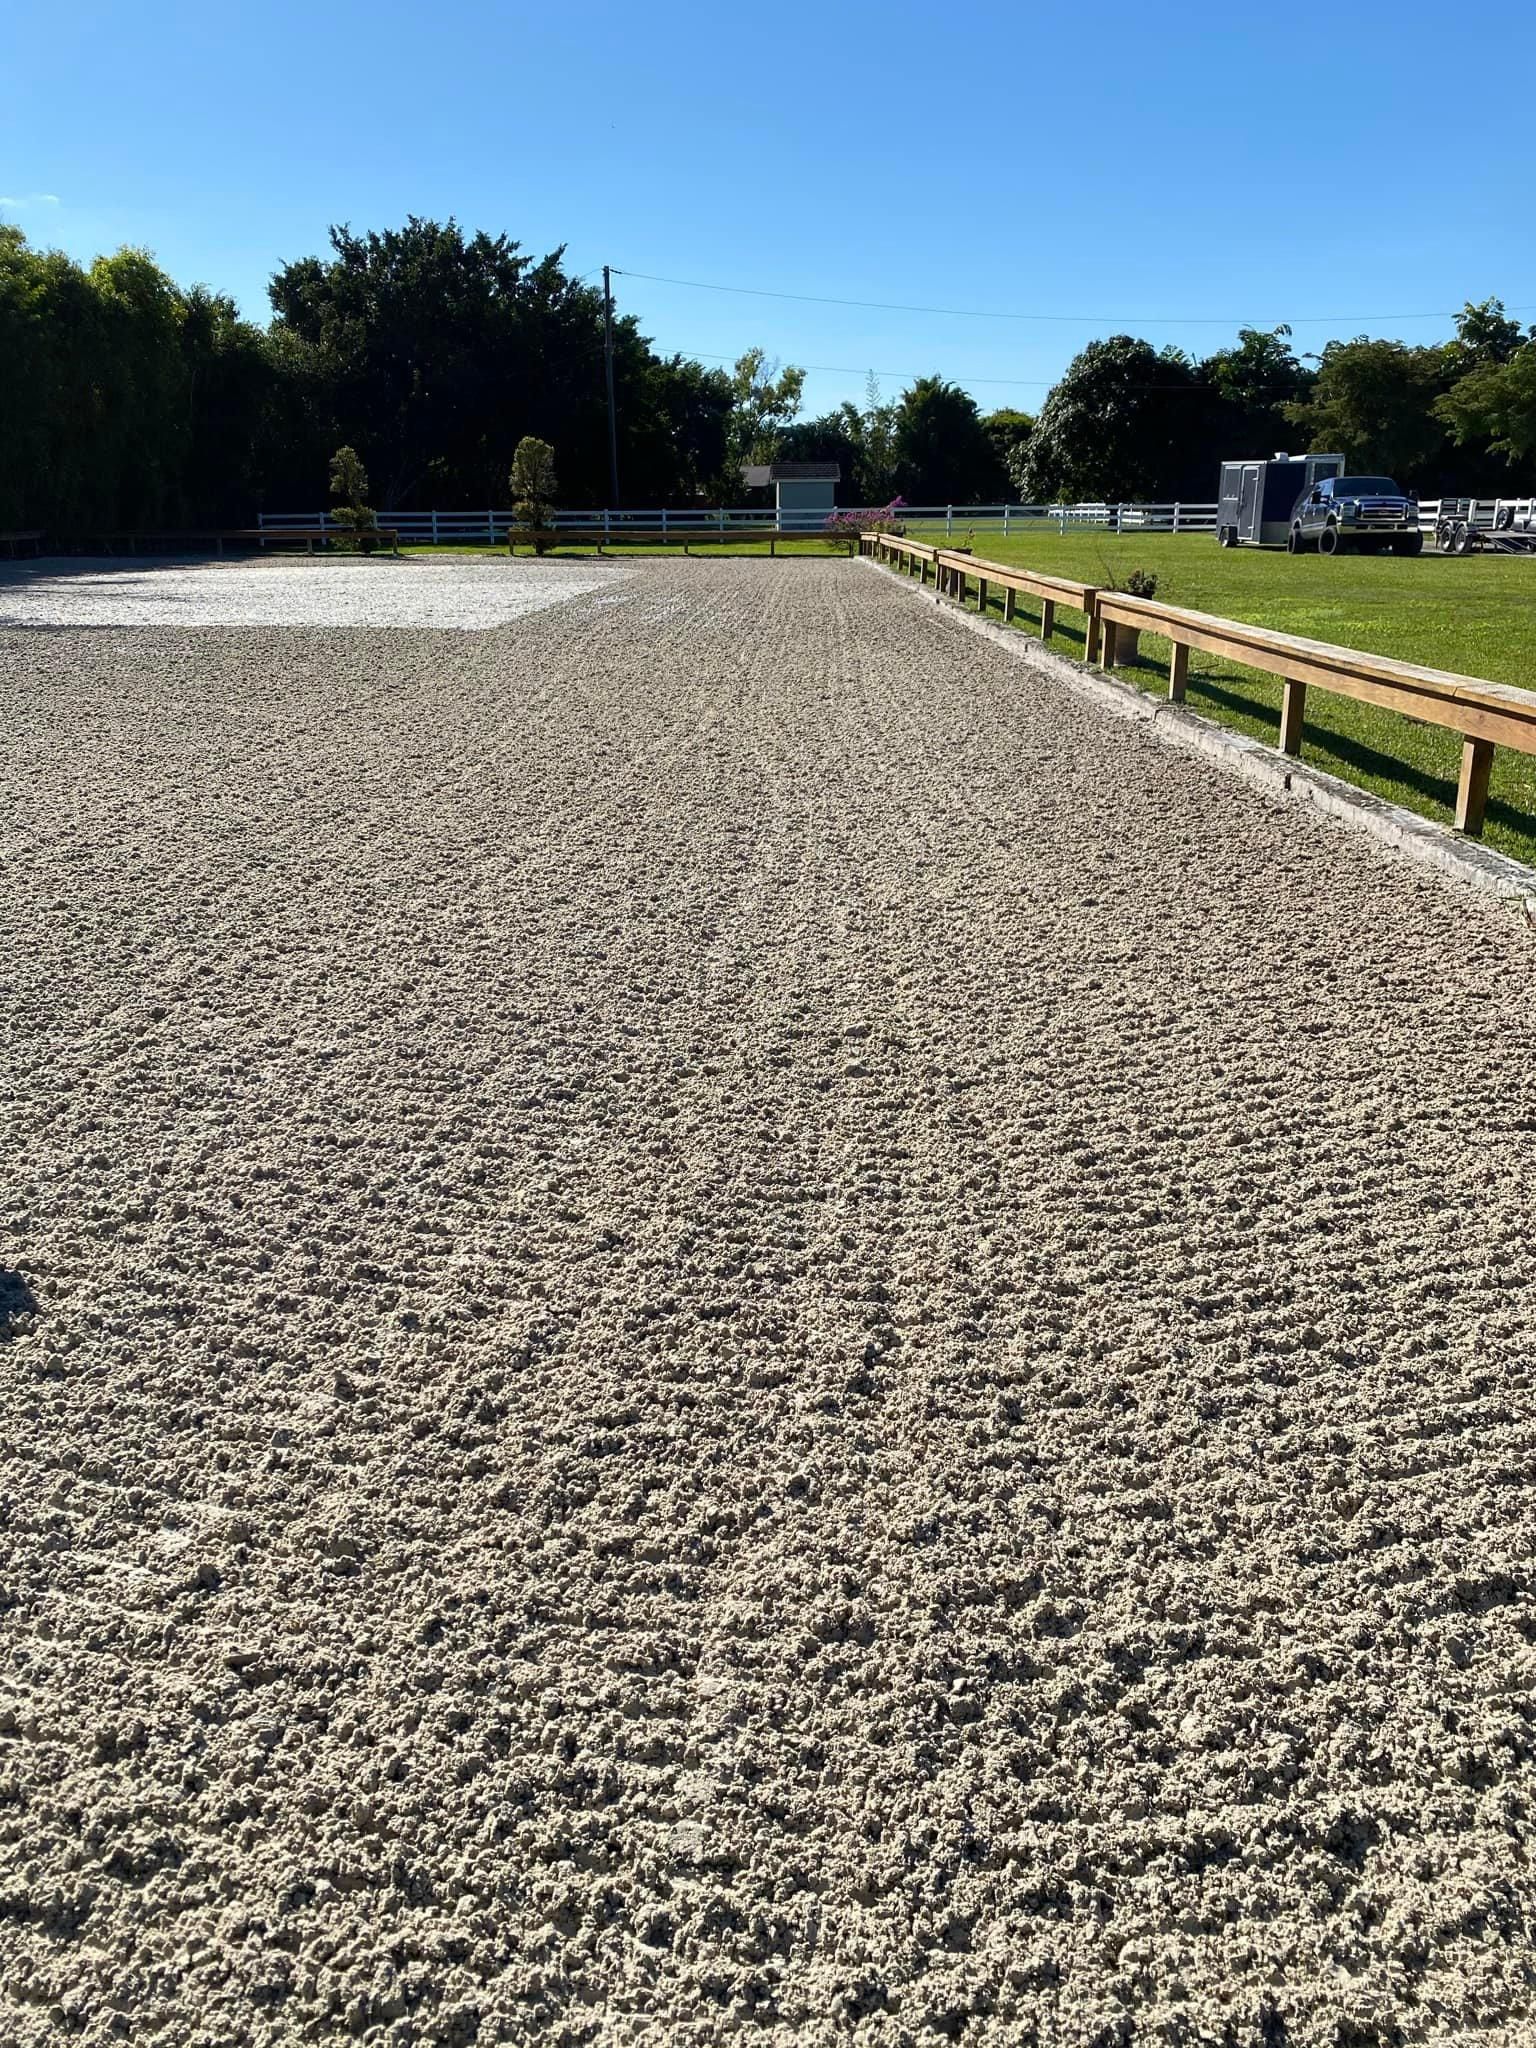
x=466 y=596
x=719 y=1318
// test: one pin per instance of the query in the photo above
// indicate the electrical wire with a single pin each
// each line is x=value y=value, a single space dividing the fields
x=1067 y=319
x=848 y=370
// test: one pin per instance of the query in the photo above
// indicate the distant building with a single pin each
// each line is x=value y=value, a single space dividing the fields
x=806 y=492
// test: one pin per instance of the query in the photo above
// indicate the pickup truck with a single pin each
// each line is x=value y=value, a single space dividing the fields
x=1365 y=515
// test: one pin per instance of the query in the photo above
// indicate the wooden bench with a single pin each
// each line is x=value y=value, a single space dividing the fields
x=157 y=540
x=1485 y=714
x=685 y=537
x=31 y=538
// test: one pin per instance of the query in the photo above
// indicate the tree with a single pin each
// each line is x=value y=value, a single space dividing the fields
x=764 y=399
x=1009 y=433
x=1125 y=421
x=533 y=488
x=1252 y=385
x=1485 y=337
x=435 y=350
x=124 y=400
x=1492 y=403
x=1495 y=407
x=674 y=417
x=349 y=479
x=1374 y=402
x=349 y=487
x=942 y=452
x=861 y=440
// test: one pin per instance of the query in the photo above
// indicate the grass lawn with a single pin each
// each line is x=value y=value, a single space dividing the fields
x=1475 y=615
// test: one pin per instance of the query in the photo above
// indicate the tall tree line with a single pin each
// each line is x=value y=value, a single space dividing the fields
x=126 y=401
x=129 y=401
x=1130 y=421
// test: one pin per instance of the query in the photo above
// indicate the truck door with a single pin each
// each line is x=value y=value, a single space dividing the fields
x=1248 y=510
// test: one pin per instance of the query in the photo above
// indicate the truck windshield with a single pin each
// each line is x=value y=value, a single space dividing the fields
x=1364 y=487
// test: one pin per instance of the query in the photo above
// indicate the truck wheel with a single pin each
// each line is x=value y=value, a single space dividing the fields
x=1293 y=542
x=1411 y=544
x=1328 y=540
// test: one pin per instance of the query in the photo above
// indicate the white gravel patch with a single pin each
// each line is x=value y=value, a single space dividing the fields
x=462 y=596
x=718 y=1320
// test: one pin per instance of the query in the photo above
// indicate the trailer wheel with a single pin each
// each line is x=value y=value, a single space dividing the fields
x=1461 y=540
x=1228 y=536
x=1293 y=542
x=1328 y=540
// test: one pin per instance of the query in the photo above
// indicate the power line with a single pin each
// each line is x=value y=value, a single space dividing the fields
x=848 y=370
x=956 y=377
x=1066 y=319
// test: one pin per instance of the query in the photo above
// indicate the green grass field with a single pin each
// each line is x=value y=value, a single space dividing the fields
x=1475 y=615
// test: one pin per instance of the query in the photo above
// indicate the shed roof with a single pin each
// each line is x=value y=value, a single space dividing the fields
x=756 y=474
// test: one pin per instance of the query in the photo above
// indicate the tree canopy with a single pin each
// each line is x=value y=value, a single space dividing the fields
x=1125 y=421
x=942 y=452
x=127 y=400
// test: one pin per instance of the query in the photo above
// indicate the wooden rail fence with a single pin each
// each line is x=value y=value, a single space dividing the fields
x=953 y=568
x=1486 y=715
x=685 y=537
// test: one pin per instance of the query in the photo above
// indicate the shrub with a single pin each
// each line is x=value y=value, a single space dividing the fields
x=349 y=487
x=533 y=489
x=1141 y=583
x=846 y=526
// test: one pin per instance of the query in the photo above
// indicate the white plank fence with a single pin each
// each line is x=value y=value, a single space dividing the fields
x=489 y=528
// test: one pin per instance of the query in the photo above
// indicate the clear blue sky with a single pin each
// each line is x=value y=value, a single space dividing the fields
x=1122 y=166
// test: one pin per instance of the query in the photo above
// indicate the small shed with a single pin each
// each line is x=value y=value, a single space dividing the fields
x=806 y=492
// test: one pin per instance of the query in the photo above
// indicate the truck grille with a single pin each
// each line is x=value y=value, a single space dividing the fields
x=1383 y=515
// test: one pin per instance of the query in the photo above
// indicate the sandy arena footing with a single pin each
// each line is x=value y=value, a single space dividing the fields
x=724 y=1320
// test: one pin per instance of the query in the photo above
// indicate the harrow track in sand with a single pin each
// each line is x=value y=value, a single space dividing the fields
x=722 y=1319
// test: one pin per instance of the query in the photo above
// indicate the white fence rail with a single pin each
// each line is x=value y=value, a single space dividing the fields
x=489 y=528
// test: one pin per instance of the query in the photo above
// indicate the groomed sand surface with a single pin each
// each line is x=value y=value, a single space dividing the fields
x=284 y=590
x=724 y=1320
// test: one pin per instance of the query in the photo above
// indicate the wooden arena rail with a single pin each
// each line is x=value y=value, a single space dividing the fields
x=953 y=567
x=684 y=537
x=1485 y=714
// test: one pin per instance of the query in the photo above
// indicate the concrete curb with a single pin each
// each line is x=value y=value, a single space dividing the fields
x=1405 y=832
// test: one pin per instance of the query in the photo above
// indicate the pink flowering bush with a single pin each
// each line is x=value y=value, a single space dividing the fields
x=846 y=526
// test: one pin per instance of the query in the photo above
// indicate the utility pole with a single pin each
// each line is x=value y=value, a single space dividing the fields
x=613 y=424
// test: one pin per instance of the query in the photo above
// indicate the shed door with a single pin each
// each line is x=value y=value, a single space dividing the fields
x=1248 y=510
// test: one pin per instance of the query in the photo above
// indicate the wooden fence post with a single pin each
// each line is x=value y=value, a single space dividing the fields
x=1092 y=637
x=1047 y=618
x=1472 y=789
x=981 y=593
x=1008 y=601
x=1108 y=631
x=1178 y=672
x=1293 y=711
